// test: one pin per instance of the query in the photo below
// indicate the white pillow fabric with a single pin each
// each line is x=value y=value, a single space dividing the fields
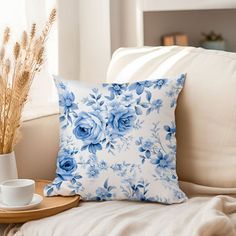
x=118 y=141
x=206 y=111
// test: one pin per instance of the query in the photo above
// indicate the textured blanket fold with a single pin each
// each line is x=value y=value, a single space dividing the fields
x=202 y=215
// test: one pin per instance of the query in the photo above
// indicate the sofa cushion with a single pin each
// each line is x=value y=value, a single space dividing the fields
x=206 y=112
x=118 y=141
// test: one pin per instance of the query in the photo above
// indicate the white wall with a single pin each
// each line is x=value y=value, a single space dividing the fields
x=91 y=30
x=123 y=23
x=128 y=23
x=84 y=39
x=69 y=49
x=95 y=39
x=115 y=17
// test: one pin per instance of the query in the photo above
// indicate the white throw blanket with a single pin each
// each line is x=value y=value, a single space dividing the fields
x=200 y=216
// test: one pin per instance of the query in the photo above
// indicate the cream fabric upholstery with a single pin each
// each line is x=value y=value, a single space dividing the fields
x=206 y=111
x=37 y=150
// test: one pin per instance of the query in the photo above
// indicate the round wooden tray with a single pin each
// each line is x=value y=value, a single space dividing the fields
x=49 y=206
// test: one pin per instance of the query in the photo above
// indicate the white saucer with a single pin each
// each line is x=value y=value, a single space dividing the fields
x=37 y=199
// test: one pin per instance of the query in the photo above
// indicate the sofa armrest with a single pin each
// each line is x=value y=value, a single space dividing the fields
x=37 y=150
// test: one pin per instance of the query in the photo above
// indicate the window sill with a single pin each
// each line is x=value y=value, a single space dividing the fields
x=34 y=112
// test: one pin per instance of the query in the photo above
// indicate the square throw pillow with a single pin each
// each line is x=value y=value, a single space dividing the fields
x=118 y=141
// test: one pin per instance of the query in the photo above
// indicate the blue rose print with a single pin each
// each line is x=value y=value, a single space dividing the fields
x=66 y=166
x=121 y=119
x=89 y=127
x=120 y=140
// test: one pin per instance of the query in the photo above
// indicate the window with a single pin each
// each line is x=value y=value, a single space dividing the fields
x=19 y=15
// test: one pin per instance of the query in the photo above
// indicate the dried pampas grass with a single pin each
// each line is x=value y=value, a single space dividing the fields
x=16 y=76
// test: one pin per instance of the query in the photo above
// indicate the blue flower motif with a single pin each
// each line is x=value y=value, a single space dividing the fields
x=120 y=168
x=170 y=131
x=147 y=145
x=66 y=100
x=136 y=191
x=56 y=184
x=92 y=147
x=89 y=127
x=178 y=194
x=66 y=166
x=61 y=85
x=171 y=93
x=160 y=83
x=157 y=104
x=103 y=165
x=92 y=172
x=121 y=120
x=93 y=166
x=146 y=149
x=104 y=193
x=117 y=89
x=117 y=167
x=127 y=97
x=163 y=161
x=140 y=86
x=180 y=81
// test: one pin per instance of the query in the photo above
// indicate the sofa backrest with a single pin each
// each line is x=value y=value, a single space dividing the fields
x=206 y=110
x=37 y=149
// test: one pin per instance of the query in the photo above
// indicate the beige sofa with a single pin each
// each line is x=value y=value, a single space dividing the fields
x=206 y=151
x=37 y=150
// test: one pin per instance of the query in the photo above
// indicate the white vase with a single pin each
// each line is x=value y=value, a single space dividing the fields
x=8 y=169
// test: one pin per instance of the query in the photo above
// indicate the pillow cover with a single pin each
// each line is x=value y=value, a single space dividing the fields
x=118 y=141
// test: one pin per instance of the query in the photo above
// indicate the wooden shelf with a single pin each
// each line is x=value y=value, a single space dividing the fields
x=148 y=8
x=175 y=5
x=156 y=24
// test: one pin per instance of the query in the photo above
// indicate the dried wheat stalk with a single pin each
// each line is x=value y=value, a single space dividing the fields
x=16 y=76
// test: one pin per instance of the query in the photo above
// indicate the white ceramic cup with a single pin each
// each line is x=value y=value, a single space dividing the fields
x=17 y=192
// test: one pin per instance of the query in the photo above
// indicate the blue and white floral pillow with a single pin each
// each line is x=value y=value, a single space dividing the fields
x=118 y=141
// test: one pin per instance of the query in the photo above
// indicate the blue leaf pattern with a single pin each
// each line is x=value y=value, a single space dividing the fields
x=118 y=141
